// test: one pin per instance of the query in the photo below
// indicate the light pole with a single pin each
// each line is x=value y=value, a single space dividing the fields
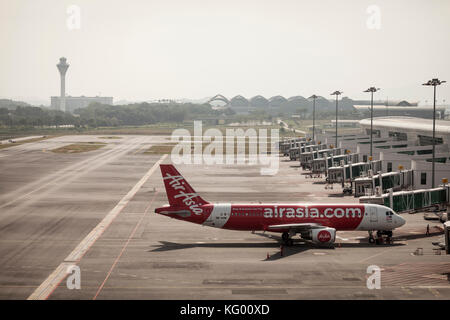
x=336 y=93
x=371 y=90
x=314 y=115
x=387 y=105
x=433 y=82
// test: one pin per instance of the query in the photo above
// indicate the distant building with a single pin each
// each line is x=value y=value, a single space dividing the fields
x=68 y=103
x=73 y=103
x=240 y=105
x=400 y=110
x=342 y=124
x=417 y=130
x=292 y=105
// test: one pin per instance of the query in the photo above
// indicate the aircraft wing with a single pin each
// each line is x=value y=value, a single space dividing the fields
x=295 y=226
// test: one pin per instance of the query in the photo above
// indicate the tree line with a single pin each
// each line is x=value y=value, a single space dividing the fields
x=100 y=115
x=137 y=114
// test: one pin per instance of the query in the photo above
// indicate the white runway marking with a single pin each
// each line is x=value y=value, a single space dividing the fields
x=375 y=255
x=67 y=174
x=53 y=280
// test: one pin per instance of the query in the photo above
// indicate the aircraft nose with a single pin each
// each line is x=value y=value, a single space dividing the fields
x=400 y=221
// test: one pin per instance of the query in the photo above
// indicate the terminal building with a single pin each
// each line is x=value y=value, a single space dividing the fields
x=67 y=103
x=398 y=175
x=399 y=143
x=416 y=130
x=400 y=110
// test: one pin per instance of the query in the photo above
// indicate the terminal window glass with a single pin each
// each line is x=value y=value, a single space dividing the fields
x=376 y=133
x=423 y=178
x=398 y=136
x=389 y=167
x=407 y=152
x=441 y=160
x=427 y=140
x=425 y=151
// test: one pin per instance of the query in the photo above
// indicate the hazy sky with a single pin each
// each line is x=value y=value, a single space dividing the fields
x=152 y=49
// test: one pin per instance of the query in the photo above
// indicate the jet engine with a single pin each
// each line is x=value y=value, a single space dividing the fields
x=323 y=235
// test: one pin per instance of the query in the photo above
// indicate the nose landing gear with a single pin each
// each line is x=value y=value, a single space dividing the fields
x=383 y=236
x=371 y=238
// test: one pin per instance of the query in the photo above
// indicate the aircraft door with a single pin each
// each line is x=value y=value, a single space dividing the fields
x=219 y=215
x=373 y=214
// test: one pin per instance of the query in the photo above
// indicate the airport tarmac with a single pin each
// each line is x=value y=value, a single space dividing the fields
x=95 y=210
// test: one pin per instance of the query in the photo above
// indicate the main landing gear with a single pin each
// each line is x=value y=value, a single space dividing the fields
x=382 y=237
x=287 y=239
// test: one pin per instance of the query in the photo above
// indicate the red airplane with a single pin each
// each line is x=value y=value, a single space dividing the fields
x=315 y=222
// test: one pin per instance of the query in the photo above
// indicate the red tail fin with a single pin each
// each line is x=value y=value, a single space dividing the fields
x=178 y=190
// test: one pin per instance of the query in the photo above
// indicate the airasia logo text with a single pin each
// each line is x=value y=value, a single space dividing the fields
x=324 y=236
x=311 y=212
x=177 y=183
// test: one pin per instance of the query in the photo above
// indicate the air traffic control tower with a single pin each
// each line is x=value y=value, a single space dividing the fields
x=62 y=67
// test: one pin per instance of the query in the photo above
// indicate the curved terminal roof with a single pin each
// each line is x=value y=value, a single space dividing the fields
x=297 y=98
x=262 y=102
x=408 y=124
x=259 y=101
x=277 y=99
x=239 y=101
x=219 y=97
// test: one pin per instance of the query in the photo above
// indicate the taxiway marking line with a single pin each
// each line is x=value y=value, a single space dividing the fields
x=54 y=279
x=379 y=253
x=407 y=290
x=139 y=149
x=125 y=246
x=434 y=292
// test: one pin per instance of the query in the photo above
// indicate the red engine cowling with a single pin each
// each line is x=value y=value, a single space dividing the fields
x=323 y=235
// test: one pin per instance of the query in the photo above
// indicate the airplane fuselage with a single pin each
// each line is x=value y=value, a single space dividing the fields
x=257 y=217
x=317 y=222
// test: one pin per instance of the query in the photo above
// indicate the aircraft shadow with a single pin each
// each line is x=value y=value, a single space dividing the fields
x=369 y=245
x=402 y=237
x=299 y=245
x=168 y=246
x=418 y=236
x=364 y=242
x=287 y=250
